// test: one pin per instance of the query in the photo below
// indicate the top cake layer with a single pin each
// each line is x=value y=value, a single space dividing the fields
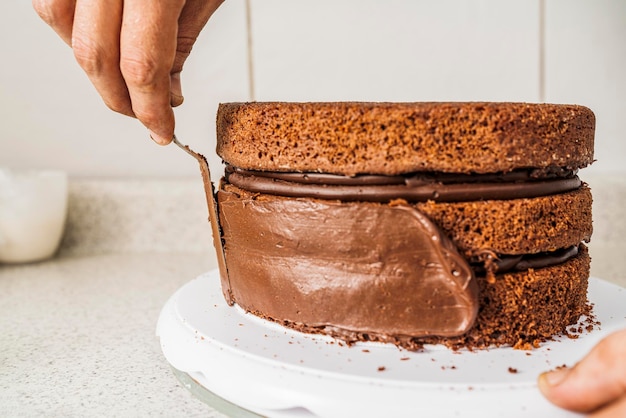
x=393 y=138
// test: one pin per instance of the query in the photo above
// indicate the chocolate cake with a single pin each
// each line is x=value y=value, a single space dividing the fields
x=410 y=223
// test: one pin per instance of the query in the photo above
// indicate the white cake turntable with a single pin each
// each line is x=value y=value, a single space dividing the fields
x=245 y=366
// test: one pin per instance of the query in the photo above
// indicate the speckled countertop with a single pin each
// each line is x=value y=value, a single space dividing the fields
x=78 y=337
x=77 y=333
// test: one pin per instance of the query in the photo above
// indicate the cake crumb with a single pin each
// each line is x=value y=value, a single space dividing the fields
x=365 y=350
x=405 y=358
x=381 y=368
x=523 y=345
x=512 y=370
x=398 y=202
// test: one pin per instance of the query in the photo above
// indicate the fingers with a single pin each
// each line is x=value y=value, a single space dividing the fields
x=59 y=15
x=176 y=91
x=597 y=380
x=132 y=51
x=95 y=41
x=148 y=47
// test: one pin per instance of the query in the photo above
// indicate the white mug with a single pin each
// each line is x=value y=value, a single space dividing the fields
x=33 y=210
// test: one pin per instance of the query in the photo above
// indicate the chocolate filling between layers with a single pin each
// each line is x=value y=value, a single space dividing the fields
x=416 y=187
x=488 y=261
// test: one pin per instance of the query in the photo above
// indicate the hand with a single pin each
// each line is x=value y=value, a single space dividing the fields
x=596 y=385
x=132 y=51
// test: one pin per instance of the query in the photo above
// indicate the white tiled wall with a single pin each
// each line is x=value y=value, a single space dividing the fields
x=396 y=50
x=586 y=63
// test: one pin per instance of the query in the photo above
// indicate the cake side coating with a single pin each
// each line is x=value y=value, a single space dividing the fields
x=373 y=267
x=392 y=138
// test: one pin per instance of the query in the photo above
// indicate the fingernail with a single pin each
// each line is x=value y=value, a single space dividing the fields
x=556 y=377
x=176 y=91
x=159 y=139
x=175 y=100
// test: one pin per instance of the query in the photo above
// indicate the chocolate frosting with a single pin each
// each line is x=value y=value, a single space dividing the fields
x=503 y=263
x=414 y=188
x=542 y=260
x=363 y=267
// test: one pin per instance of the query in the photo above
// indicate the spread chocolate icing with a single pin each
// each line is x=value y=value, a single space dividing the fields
x=441 y=187
x=367 y=267
x=501 y=263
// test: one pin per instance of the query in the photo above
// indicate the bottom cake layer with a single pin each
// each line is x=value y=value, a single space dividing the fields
x=521 y=309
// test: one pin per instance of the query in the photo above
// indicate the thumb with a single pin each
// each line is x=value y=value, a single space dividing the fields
x=598 y=379
x=176 y=91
